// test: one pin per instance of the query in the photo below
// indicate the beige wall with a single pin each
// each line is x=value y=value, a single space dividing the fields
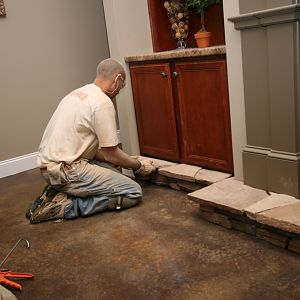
x=235 y=85
x=129 y=33
x=47 y=48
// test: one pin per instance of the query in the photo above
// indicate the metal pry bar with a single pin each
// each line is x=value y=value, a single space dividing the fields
x=12 y=249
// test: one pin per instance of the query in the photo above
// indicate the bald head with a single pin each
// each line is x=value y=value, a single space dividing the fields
x=110 y=77
x=108 y=68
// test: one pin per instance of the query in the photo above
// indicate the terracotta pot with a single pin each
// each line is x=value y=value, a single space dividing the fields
x=202 y=39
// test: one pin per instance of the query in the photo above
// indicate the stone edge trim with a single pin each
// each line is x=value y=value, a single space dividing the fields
x=275 y=236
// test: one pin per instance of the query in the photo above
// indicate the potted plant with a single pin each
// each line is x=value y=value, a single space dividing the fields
x=201 y=6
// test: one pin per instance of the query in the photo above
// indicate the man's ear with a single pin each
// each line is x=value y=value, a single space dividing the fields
x=117 y=77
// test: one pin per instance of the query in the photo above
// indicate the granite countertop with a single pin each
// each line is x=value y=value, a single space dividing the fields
x=189 y=52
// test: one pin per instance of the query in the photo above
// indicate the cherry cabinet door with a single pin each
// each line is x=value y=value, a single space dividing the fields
x=154 y=107
x=204 y=115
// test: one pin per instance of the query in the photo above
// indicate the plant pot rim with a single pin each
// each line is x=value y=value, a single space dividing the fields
x=202 y=34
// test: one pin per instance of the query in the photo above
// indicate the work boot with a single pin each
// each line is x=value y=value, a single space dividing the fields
x=51 y=210
x=121 y=202
x=47 y=195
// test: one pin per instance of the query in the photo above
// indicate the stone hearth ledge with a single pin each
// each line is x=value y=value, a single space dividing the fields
x=182 y=176
x=225 y=201
x=188 y=52
x=272 y=217
x=278 y=211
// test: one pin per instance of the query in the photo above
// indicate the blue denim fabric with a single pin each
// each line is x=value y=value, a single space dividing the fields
x=91 y=185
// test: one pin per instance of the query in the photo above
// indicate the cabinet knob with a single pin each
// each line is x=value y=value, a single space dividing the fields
x=175 y=74
x=163 y=75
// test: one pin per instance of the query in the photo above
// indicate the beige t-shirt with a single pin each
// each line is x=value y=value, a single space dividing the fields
x=83 y=122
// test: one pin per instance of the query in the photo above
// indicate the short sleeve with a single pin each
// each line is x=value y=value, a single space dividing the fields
x=105 y=126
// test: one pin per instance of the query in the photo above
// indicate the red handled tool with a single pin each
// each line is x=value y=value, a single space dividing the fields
x=8 y=274
x=5 y=274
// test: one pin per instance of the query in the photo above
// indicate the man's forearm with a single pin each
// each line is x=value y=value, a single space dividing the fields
x=117 y=157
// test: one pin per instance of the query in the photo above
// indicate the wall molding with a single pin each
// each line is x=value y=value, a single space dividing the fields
x=257 y=150
x=18 y=164
x=284 y=155
x=267 y=17
x=270 y=153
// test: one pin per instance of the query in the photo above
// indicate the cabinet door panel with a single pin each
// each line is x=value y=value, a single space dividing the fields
x=155 y=114
x=204 y=114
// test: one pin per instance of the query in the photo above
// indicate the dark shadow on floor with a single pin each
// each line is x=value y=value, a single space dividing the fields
x=160 y=249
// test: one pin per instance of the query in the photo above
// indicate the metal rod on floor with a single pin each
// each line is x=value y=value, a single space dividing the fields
x=12 y=249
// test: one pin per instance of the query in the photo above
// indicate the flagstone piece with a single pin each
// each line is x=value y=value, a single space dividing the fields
x=286 y=218
x=268 y=203
x=158 y=163
x=216 y=218
x=244 y=227
x=209 y=176
x=272 y=237
x=160 y=179
x=207 y=208
x=180 y=171
x=189 y=186
x=229 y=194
x=294 y=245
x=174 y=186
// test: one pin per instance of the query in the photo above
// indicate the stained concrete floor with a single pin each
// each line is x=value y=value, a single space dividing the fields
x=160 y=249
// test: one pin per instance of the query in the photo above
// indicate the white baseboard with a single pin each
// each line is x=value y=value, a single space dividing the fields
x=18 y=164
x=23 y=163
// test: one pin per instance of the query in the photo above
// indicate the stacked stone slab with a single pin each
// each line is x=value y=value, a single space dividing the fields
x=271 y=217
x=181 y=176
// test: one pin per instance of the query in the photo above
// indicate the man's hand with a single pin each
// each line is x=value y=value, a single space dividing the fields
x=146 y=168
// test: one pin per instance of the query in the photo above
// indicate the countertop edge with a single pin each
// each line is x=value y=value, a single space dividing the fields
x=189 y=52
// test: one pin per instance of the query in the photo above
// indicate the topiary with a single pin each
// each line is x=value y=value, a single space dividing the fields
x=200 y=7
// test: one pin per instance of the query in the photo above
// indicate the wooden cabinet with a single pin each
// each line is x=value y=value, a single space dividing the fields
x=204 y=114
x=155 y=112
x=182 y=112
